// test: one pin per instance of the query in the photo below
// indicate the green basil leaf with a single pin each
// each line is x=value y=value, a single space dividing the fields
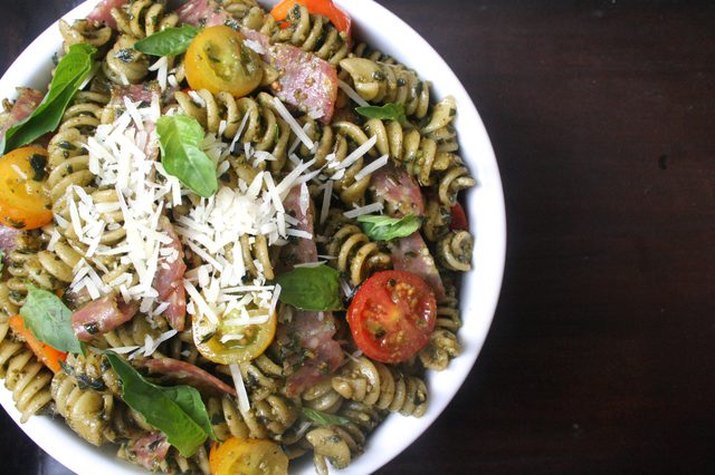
x=167 y=42
x=323 y=418
x=384 y=228
x=71 y=72
x=177 y=411
x=49 y=319
x=311 y=288
x=180 y=138
x=389 y=111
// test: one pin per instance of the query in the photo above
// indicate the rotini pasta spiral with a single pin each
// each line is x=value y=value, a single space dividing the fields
x=86 y=411
x=322 y=397
x=439 y=125
x=83 y=31
x=314 y=33
x=29 y=263
x=437 y=219
x=123 y=64
x=339 y=444
x=356 y=254
x=239 y=9
x=336 y=142
x=142 y=18
x=382 y=83
x=310 y=32
x=68 y=163
x=374 y=383
x=92 y=371
x=222 y=114
x=7 y=307
x=454 y=251
x=422 y=158
x=363 y=50
x=443 y=345
x=269 y=417
x=27 y=378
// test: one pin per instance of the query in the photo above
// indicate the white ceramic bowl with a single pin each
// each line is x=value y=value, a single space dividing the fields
x=480 y=291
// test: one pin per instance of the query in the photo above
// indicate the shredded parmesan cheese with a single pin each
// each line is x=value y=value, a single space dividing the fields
x=352 y=94
x=372 y=167
x=243 y=403
x=294 y=125
x=367 y=209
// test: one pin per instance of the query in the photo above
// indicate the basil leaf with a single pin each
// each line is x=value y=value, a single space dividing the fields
x=384 y=228
x=49 y=319
x=177 y=411
x=323 y=418
x=311 y=288
x=167 y=42
x=389 y=111
x=180 y=138
x=71 y=72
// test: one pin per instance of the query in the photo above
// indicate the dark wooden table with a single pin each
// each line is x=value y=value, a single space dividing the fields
x=601 y=355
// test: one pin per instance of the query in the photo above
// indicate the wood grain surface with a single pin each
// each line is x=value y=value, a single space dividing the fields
x=601 y=355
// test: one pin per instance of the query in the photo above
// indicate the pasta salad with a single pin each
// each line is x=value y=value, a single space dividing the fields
x=231 y=236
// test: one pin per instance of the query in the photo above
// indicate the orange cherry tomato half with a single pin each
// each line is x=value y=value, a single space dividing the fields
x=218 y=60
x=247 y=457
x=392 y=316
x=48 y=355
x=459 y=219
x=24 y=200
x=337 y=16
x=215 y=346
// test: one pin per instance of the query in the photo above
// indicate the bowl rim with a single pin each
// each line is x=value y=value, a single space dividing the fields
x=485 y=207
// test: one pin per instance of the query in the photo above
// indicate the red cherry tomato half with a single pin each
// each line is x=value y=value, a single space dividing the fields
x=337 y=16
x=392 y=316
x=459 y=219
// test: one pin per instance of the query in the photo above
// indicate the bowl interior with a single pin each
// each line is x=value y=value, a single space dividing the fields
x=480 y=288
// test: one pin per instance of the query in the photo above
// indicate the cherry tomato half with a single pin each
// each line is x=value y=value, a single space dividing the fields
x=337 y=16
x=392 y=316
x=24 y=201
x=218 y=60
x=459 y=219
x=247 y=457
x=48 y=355
x=231 y=342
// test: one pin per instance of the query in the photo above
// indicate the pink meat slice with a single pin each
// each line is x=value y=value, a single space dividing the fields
x=101 y=316
x=306 y=82
x=183 y=372
x=314 y=332
x=144 y=93
x=410 y=254
x=202 y=13
x=149 y=451
x=400 y=191
x=27 y=101
x=102 y=13
x=8 y=239
x=318 y=354
x=298 y=204
x=169 y=279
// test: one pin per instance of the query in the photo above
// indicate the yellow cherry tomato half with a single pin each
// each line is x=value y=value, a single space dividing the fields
x=24 y=200
x=218 y=60
x=233 y=342
x=247 y=457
